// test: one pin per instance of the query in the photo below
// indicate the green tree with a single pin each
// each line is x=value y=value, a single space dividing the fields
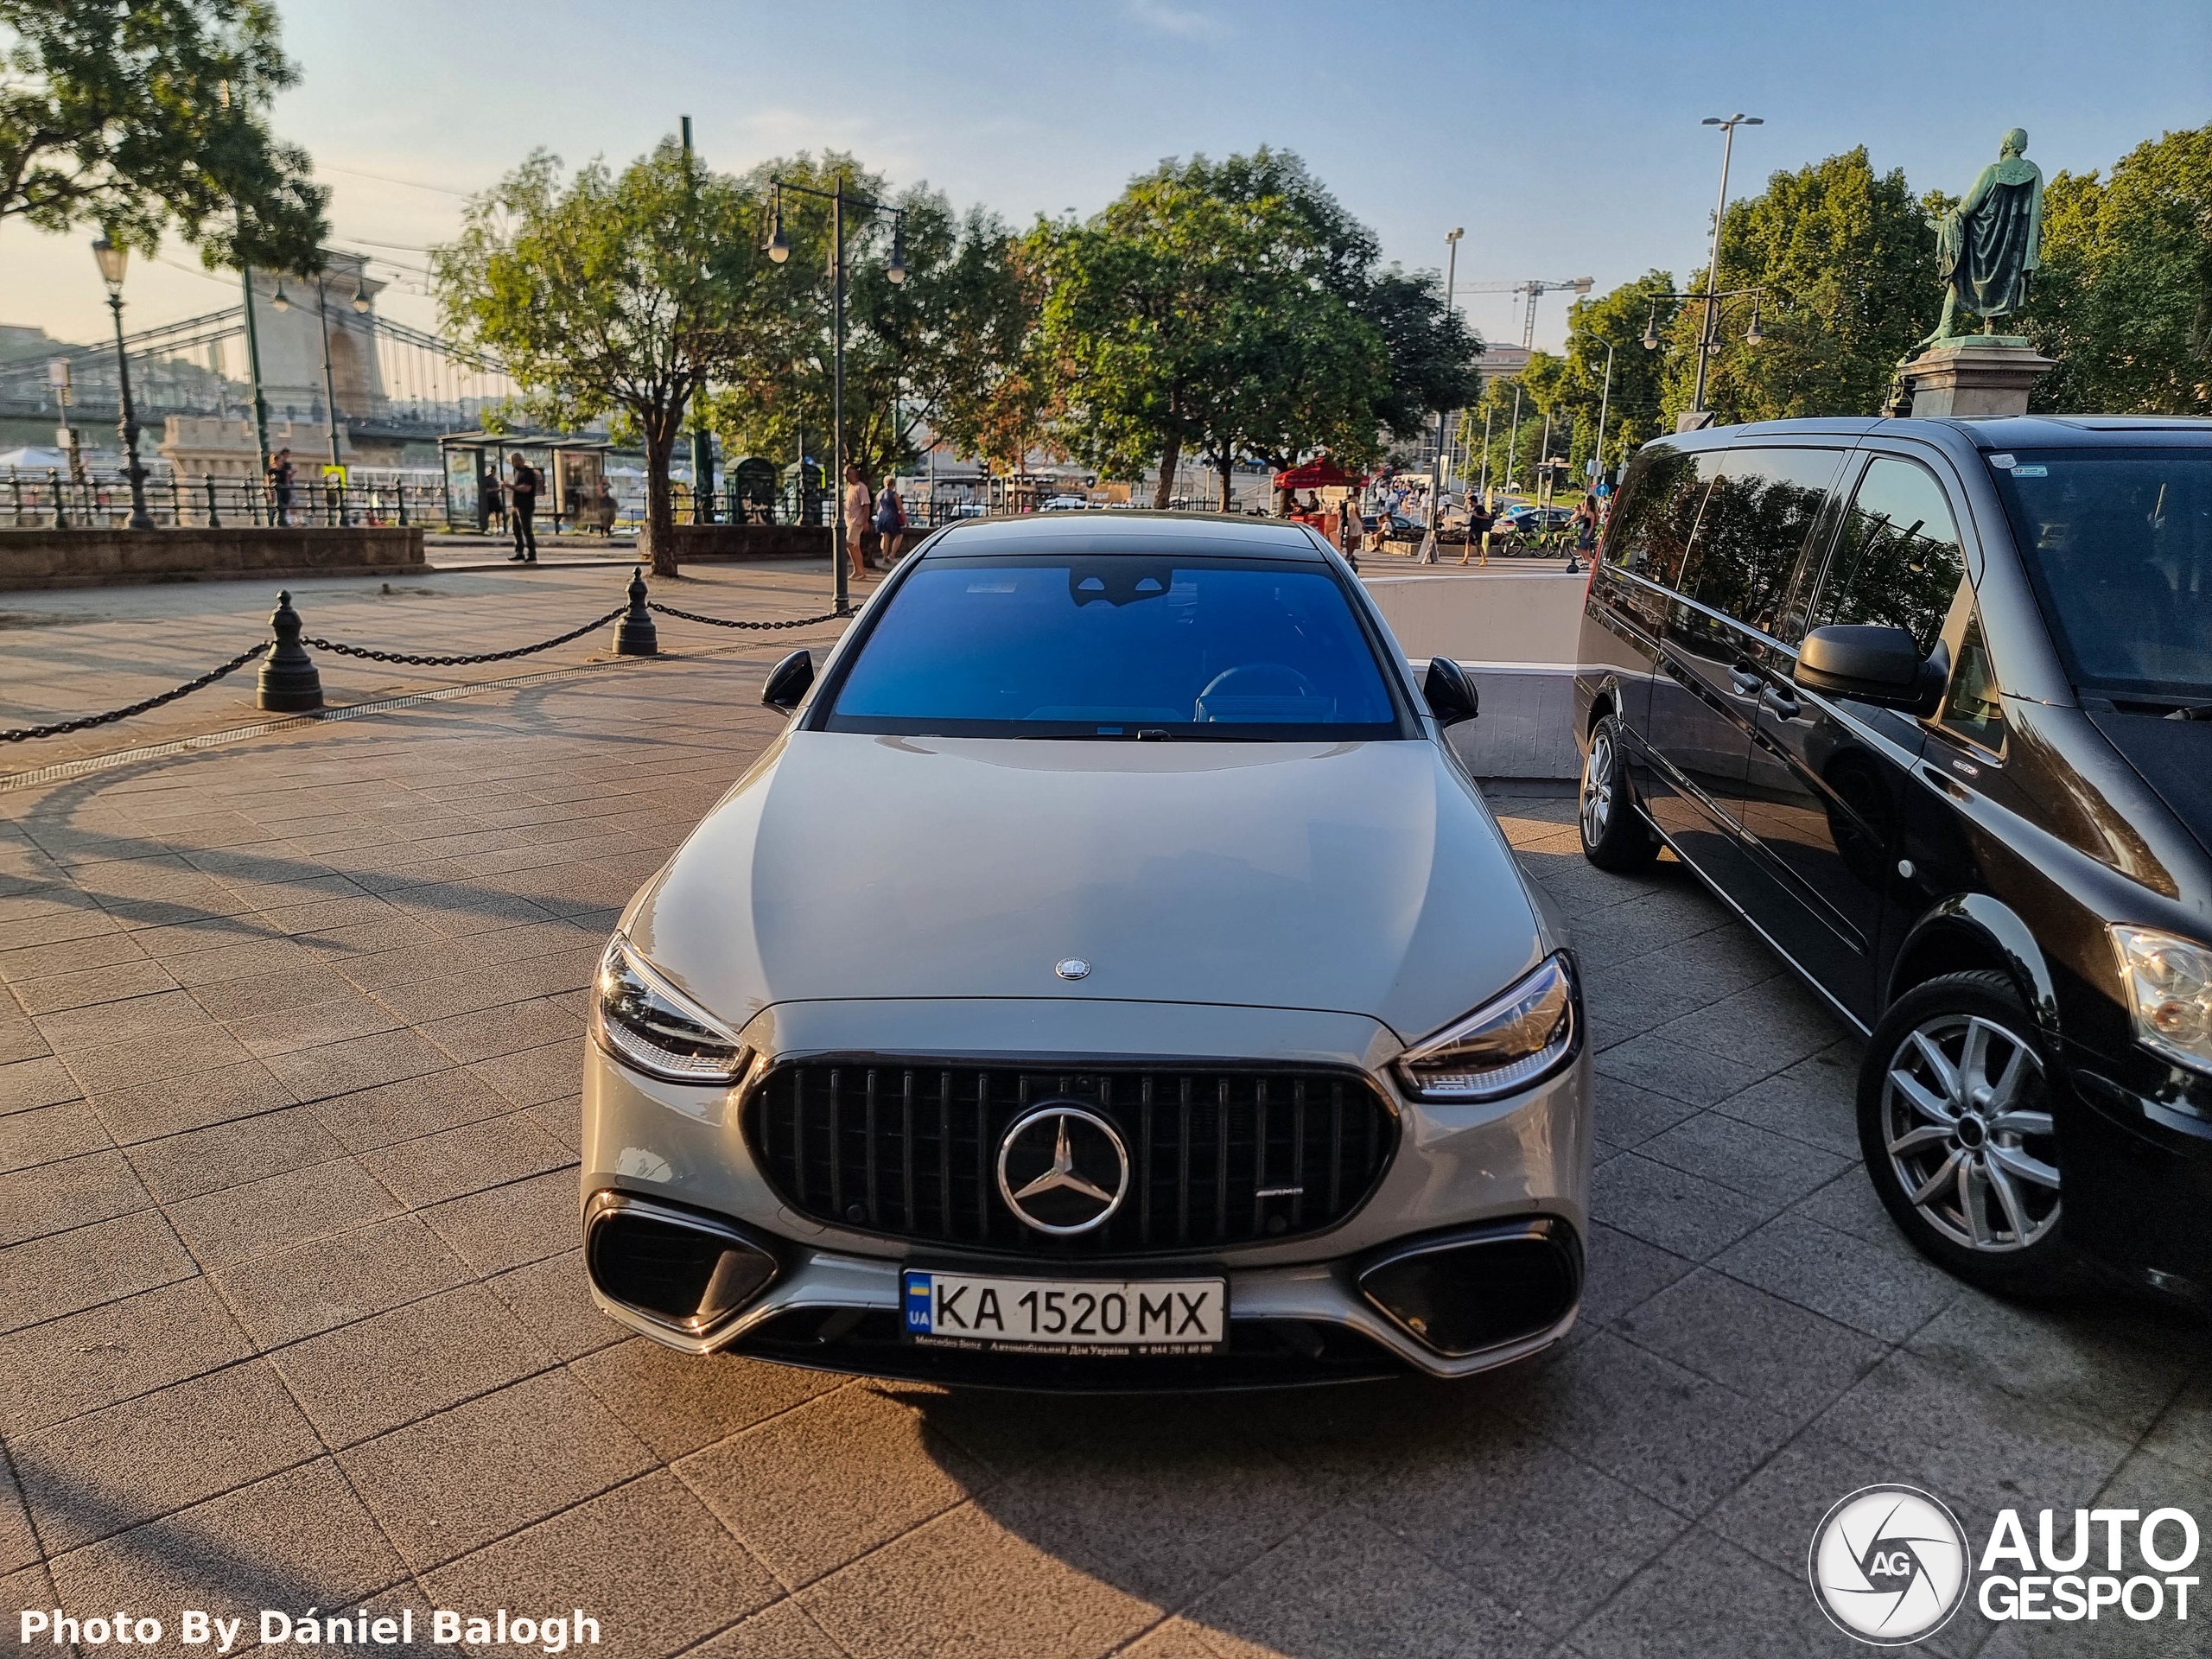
x=2124 y=297
x=1234 y=309
x=932 y=354
x=616 y=294
x=145 y=115
x=1847 y=261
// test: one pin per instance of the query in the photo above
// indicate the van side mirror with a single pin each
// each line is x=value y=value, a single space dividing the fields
x=1872 y=663
x=1451 y=695
x=788 y=681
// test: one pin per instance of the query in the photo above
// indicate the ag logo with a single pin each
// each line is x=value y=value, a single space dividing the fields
x=1889 y=1565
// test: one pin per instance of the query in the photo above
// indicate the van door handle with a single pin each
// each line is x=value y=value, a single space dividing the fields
x=1785 y=705
x=1943 y=780
x=1746 y=682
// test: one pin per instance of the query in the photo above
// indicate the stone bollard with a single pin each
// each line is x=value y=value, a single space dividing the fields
x=288 y=680
x=53 y=483
x=635 y=636
x=214 y=522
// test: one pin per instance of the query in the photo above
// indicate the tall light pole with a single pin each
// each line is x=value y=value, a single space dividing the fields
x=1436 y=479
x=779 y=249
x=1713 y=272
x=1605 y=403
x=1513 y=436
x=111 y=256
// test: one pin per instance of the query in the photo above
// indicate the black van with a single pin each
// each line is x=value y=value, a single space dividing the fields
x=1929 y=703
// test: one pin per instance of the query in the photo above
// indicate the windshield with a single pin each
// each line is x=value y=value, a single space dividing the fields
x=1124 y=645
x=2118 y=544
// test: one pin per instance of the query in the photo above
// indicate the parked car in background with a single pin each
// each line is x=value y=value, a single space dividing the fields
x=1066 y=504
x=1929 y=705
x=1189 y=1024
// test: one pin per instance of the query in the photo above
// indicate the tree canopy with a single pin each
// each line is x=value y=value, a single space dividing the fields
x=2124 y=298
x=619 y=294
x=935 y=353
x=1846 y=259
x=1235 y=310
x=142 y=115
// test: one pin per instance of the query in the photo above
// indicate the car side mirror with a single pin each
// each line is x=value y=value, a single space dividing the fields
x=1871 y=663
x=1451 y=696
x=788 y=681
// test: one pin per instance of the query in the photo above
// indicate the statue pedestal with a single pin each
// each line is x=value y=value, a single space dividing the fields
x=1977 y=374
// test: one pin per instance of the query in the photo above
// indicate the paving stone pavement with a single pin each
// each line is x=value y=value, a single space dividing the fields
x=292 y=1316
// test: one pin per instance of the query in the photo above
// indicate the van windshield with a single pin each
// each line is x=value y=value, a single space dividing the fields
x=2119 y=545
x=1119 y=647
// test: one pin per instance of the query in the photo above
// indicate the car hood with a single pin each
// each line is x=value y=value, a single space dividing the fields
x=1358 y=878
x=2174 y=757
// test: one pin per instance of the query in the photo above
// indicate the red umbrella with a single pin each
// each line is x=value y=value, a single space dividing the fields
x=1320 y=474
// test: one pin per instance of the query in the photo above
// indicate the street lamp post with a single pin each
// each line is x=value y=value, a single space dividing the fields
x=1489 y=414
x=1436 y=483
x=330 y=391
x=779 y=249
x=112 y=256
x=1605 y=404
x=1513 y=435
x=1713 y=272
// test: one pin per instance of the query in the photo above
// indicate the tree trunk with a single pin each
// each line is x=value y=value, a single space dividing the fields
x=1171 y=457
x=1228 y=484
x=660 y=514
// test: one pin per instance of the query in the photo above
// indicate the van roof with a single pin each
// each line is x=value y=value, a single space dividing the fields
x=1985 y=433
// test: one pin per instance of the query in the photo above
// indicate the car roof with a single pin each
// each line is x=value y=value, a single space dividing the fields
x=1144 y=534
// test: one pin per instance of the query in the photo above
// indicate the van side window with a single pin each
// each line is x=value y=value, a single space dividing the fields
x=1898 y=562
x=1753 y=529
x=1970 y=703
x=1657 y=517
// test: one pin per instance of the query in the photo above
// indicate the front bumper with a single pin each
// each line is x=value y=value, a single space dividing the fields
x=1297 y=1311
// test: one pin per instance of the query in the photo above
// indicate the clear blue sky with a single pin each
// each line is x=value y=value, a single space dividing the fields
x=1565 y=138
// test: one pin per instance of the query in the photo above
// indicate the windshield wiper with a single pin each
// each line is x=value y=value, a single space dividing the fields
x=2191 y=711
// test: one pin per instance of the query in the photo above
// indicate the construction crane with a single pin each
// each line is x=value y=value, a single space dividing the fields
x=1579 y=286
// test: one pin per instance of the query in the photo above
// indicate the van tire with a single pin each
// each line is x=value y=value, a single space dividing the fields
x=1614 y=834
x=1981 y=1176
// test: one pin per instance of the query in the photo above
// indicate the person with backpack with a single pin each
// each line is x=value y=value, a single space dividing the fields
x=522 y=503
x=890 y=522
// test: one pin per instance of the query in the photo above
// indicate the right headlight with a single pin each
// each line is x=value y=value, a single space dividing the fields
x=2169 y=983
x=644 y=1021
x=1514 y=1039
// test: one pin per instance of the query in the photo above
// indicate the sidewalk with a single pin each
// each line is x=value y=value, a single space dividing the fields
x=81 y=651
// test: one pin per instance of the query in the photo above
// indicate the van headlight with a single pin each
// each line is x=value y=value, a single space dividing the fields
x=2169 y=983
x=1513 y=1041
x=644 y=1021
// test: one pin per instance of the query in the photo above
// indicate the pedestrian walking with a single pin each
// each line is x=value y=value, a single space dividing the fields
x=1586 y=525
x=857 y=501
x=890 y=523
x=492 y=507
x=280 y=486
x=1479 y=520
x=522 y=505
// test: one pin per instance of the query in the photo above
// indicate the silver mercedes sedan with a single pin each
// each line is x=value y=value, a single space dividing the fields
x=1111 y=979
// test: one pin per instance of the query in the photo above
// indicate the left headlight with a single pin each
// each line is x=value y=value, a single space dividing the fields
x=644 y=1021
x=1513 y=1041
x=2169 y=983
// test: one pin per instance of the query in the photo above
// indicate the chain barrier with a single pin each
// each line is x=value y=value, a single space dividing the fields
x=763 y=628
x=456 y=662
x=25 y=733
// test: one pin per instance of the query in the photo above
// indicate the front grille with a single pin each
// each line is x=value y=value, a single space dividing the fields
x=1218 y=1157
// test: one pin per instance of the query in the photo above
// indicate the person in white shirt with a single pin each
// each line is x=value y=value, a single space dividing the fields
x=859 y=505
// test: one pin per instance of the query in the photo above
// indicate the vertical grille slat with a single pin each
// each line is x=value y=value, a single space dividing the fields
x=923 y=1164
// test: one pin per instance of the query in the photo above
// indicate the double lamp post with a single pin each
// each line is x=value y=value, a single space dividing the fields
x=779 y=250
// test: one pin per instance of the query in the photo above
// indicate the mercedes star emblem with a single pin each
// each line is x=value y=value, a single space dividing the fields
x=1062 y=1169
x=1073 y=968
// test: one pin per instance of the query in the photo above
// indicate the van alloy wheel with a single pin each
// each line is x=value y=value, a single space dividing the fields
x=1966 y=1122
x=1597 y=786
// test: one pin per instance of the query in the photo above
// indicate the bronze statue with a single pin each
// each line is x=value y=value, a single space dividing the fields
x=1989 y=246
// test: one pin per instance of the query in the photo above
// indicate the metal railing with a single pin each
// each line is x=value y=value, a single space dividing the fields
x=54 y=500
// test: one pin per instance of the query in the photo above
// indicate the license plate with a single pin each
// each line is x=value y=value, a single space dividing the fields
x=1066 y=1316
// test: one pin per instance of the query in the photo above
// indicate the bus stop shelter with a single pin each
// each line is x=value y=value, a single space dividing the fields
x=574 y=468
